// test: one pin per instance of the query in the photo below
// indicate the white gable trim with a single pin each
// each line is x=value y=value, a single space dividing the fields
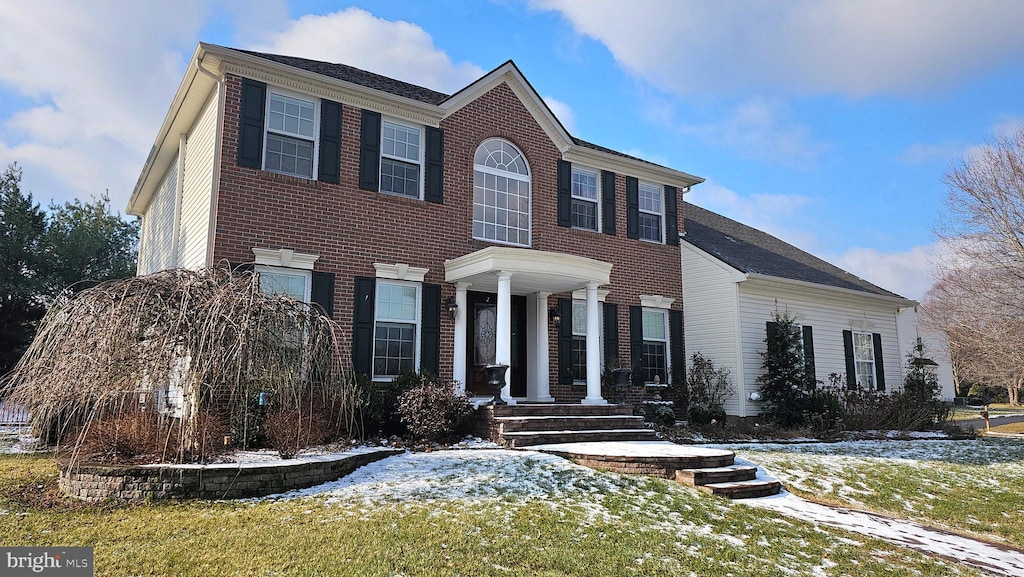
x=736 y=275
x=509 y=74
x=898 y=302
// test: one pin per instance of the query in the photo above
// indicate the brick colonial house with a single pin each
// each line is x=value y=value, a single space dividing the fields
x=444 y=232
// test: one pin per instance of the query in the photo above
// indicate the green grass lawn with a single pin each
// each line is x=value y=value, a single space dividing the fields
x=995 y=409
x=964 y=486
x=589 y=523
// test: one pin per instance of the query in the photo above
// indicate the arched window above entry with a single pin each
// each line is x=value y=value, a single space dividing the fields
x=501 y=193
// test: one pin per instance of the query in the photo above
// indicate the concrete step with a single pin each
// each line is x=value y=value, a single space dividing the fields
x=527 y=438
x=568 y=423
x=743 y=489
x=731 y=474
x=569 y=410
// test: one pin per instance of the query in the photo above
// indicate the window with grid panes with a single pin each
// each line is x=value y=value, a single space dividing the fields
x=400 y=159
x=864 y=359
x=584 y=199
x=655 y=345
x=290 y=135
x=651 y=213
x=501 y=194
x=395 y=329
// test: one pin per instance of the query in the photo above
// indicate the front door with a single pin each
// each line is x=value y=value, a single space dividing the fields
x=483 y=323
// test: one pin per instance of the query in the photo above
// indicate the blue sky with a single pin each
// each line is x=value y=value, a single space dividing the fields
x=829 y=124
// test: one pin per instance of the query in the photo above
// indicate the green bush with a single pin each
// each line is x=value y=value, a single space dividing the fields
x=787 y=382
x=378 y=403
x=707 y=390
x=664 y=415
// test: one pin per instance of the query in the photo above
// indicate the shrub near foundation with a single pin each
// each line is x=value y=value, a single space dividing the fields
x=432 y=411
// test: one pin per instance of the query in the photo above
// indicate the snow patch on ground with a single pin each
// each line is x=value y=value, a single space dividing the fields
x=968 y=551
x=630 y=449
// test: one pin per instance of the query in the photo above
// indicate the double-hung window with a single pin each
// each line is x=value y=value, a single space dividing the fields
x=290 y=146
x=585 y=199
x=651 y=212
x=401 y=159
x=655 y=345
x=290 y=282
x=864 y=359
x=396 y=328
x=579 y=341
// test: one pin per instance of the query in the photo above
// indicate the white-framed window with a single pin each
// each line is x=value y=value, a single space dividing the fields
x=285 y=281
x=579 y=340
x=290 y=138
x=501 y=194
x=586 y=199
x=652 y=210
x=401 y=159
x=864 y=359
x=396 y=329
x=654 y=354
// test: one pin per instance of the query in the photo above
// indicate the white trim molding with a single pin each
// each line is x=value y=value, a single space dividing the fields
x=285 y=257
x=581 y=295
x=400 y=271
x=656 y=301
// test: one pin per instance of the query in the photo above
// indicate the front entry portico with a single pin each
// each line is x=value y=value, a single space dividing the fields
x=535 y=275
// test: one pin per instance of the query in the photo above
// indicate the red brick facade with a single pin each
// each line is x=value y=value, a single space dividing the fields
x=352 y=228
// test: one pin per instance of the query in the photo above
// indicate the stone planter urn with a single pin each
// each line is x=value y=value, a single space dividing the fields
x=496 y=381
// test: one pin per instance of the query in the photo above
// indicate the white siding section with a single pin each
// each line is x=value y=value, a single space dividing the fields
x=198 y=188
x=709 y=315
x=936 y=348
x=156 y=249
x=829 y=314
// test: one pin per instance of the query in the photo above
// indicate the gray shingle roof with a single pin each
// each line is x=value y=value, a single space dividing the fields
x=357 y=76
x=750 y=250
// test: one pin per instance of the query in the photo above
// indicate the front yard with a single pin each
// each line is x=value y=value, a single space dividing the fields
x=469 y=512
x=970 y=487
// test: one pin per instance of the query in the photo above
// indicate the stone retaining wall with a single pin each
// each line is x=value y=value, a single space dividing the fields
x=96 y=482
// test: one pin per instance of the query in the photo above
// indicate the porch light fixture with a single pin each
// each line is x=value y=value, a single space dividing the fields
x=556 y=317
x=451 y=307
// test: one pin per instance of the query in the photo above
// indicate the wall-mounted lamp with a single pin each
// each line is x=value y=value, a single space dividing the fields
x=451 y=307
x=556 y=317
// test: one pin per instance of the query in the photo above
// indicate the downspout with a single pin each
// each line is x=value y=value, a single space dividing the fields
x=179 y=191
x=215 y=172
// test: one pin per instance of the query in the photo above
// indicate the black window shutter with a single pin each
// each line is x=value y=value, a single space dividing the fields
x=671 y=216
x=851 y=366
x=565 y=342
x=809 y=351
x=433 y=190
x=677 y=347
x=329 y=165
x=564 y=193
x=250 y=129
x=608 y=202
x=241 y=267
x=611 y=332
x=430 y=332
x=369 y=151
x=632 y=207
x=879 y=368
x=636 y=334
x=322 y=291
x=362 y=334
x=771 y=331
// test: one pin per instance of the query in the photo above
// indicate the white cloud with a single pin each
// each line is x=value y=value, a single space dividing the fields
x=920 y=153
x=563 y=112
x=93 y=84
x=761 y=130
x=776 y=214
x=849 y=48
x=648 y=156
x=355 y=37
x=907 y=273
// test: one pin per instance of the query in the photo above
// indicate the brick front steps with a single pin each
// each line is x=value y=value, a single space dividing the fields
x=539 y=424
x=710 y=470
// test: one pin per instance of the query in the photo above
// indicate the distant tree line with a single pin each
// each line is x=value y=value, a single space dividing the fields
x=50 y=254
x=978 y=297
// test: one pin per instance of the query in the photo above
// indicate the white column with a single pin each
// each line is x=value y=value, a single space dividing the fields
x=541 y=362
x=503 y=338
x=593 y=348
x=461 y=325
